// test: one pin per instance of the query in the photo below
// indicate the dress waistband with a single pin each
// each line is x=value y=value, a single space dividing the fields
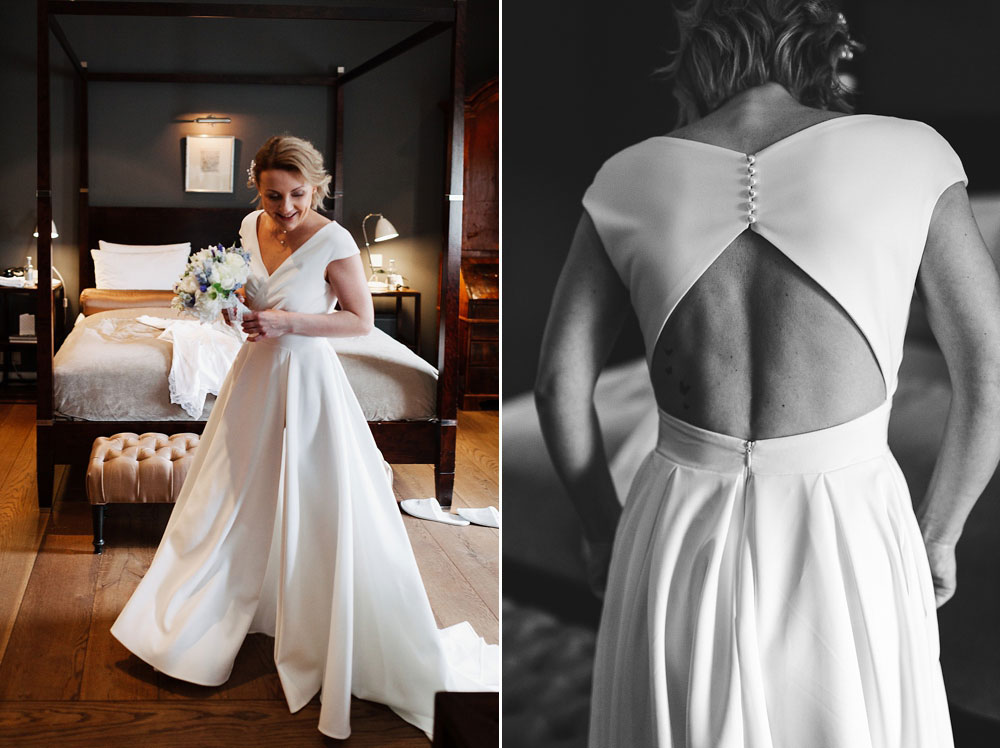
x=292 y=342
x=818 y=451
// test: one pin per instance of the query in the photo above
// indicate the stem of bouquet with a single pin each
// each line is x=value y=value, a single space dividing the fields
x=237 y=309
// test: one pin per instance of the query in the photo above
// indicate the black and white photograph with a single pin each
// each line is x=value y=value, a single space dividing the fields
x=249 y=396
x=751 y=411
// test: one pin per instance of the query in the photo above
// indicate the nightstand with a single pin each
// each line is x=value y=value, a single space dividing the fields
x=13 y=303
x=404 y=293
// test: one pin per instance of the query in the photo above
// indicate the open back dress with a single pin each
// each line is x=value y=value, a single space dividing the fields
x=287 y=525
x=773 y=593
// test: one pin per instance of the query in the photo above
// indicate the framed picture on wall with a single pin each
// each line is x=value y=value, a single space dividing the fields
x=208 y=163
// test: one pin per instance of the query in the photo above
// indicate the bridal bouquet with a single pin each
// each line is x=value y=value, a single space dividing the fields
x=210 y=280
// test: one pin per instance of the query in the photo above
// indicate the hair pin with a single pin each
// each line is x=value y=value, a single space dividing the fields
x=251 y=179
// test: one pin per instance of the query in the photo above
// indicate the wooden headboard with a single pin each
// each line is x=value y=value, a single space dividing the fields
x=200 y=226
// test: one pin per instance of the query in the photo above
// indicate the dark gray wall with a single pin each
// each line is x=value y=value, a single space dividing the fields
x=17 y=143
x=393 y=129
x=580 y=86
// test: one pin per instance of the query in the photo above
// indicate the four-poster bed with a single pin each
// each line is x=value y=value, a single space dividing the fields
x=68 y=442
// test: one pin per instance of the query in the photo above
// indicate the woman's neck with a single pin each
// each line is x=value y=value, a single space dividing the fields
x=760 y=99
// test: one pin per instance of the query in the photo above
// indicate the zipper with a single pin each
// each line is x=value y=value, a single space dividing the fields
x=748 y=446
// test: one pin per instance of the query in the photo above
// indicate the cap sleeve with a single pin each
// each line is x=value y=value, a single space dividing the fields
x=627 y=204
x=611 y=205
x=946 y=166
x=248 y=228
x=340 y=243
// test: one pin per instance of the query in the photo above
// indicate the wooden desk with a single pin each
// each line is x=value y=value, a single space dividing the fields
x=479 y=333
x=405 y=293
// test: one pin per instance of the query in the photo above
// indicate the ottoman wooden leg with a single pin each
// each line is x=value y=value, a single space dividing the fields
x=98 y=514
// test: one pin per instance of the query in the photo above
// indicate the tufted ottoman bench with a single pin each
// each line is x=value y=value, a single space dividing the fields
x=130 y=468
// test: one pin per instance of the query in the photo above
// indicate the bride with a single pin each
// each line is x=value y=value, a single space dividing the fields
x=768 y=583
x=286 y=523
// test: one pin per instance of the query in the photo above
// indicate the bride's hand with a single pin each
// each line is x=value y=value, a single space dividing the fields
x=943 y=569
x=270 y=323
x=227 y=312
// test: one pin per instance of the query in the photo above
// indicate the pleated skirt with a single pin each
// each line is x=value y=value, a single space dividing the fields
x=771 y=597
x=287 y=525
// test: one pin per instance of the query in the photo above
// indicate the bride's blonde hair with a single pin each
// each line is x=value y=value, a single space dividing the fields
x=289 y=153
x=728 y=46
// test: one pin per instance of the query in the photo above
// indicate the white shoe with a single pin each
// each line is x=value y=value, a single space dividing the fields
x=487 y=516
x=430 y=509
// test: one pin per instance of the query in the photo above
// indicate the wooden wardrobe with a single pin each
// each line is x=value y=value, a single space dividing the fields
x=479 y=284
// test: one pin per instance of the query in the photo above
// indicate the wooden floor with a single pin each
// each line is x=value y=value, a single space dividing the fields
x=64 y=681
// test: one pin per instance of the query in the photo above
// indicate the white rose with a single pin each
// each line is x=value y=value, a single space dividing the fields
x=225 y=275
x=238 y=267
x=207 y=308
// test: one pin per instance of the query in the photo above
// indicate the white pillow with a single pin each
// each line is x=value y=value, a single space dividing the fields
x=126 y=248
x=148 y=271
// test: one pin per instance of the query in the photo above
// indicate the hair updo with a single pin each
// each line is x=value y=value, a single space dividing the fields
x=289 y=153
x=728 y=46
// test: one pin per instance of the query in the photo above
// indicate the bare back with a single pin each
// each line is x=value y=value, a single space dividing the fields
x=756 y=348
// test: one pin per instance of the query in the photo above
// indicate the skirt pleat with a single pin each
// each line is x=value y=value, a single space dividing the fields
x=779 y=604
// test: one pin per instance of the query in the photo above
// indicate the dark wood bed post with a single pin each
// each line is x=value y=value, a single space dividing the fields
x=43 y=317
x=448 y=353
x=337 y=188
x=83 y=153
x=400 y=441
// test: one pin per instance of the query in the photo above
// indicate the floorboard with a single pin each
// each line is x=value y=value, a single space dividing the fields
x=452 y=597
x=110 y=671
x=48 y=645
x=21 y=524
x=473 y=551
x=206 y=724
x=65 y=681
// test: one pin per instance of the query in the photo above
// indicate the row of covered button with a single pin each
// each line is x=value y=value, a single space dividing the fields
x=751 y=192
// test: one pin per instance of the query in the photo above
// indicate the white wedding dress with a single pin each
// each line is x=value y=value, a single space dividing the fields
x=287 y=525
x=773 y=593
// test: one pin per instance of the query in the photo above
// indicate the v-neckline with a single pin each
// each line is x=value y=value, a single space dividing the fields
x=790 y=137
x=260 y=255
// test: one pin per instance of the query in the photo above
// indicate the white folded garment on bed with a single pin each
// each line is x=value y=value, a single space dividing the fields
x=112 y=367
x=202 y=355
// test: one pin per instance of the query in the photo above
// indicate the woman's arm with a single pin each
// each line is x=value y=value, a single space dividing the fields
x=588 y=309
x=959 y=284
x=356 y=315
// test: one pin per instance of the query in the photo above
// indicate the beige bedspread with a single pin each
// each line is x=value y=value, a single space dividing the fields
x=113 y=368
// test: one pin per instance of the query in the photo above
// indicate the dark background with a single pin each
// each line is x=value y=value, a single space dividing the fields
x=394 y=123
x=580 y=85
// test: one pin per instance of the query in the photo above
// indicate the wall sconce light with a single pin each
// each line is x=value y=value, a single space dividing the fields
x=55 y=232
x=208 y=119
